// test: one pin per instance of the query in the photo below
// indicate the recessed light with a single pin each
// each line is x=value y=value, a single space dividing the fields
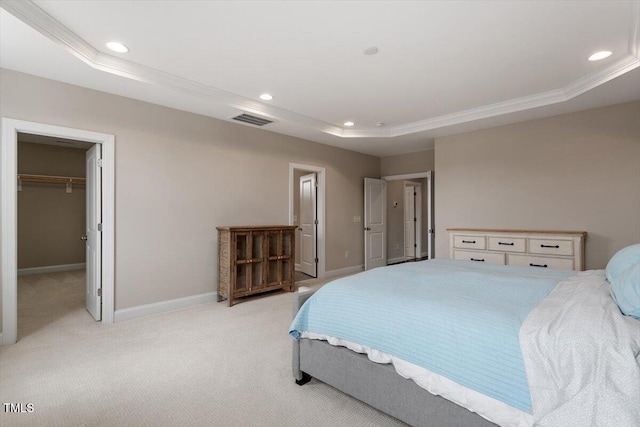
x=349 y=124
x=600 y=55
x=117 y=47
x=266 y=97
x=371 y=50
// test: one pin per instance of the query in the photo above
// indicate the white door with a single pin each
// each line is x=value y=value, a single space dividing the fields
x=94 y=235
x=430 y=229
x=308 y=225
x=409 y=222
x=375 y=223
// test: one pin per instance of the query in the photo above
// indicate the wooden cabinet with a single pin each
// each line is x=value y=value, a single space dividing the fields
x=254 y=259
x=545 y=249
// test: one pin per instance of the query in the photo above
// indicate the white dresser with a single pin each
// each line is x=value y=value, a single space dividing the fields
x=543 y=249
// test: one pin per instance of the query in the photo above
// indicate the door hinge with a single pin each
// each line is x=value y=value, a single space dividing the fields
x=100 y=227
x=415 y=194
x=415 y=245
x=315 y=260
x=99 y=292
x=315 y=222
x=99 y=163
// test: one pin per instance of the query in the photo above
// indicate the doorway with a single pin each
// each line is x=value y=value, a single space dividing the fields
x=398 y=223
x=52 y=206
x=412 y=220
x=307 y=212
x=307 y=220
x=8 y=189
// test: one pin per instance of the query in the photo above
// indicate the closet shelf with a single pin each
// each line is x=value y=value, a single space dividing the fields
x=52 y=179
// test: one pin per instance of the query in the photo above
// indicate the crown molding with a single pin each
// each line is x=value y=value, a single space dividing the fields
x=32 y=15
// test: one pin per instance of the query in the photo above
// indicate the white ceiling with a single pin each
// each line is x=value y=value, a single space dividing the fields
x=442 y=67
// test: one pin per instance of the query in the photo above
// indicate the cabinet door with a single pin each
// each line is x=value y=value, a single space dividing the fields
x=287 y=256
x=241 y=242
x=257 y=260
x=241 y=282
x=274 y=248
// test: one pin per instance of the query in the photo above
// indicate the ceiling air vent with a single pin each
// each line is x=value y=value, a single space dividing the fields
x=252 y=120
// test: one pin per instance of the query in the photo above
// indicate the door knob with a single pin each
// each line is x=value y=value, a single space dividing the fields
x=367 y=229
x=84 y=238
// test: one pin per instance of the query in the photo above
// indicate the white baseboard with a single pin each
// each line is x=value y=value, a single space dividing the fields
x=51 y=269
x=163 y=306
x=346 y=270
x=1 y=342
x=297 y=266
x=424 y=254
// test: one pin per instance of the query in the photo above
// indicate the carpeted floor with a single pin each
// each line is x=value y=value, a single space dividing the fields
x=208 y=365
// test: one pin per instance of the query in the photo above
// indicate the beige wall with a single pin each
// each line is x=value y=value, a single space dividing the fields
x=50 y=220
x=421 y=161
x=179 y=175
x=578 y=171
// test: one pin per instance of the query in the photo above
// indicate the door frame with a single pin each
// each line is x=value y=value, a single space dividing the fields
x=430 y=227
x=417 y=228
x=9 y=218
x=320 y=210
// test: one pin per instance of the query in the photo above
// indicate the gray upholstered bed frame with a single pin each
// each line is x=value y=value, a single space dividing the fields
x=375 y=384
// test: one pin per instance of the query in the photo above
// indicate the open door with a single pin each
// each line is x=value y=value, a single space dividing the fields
x=430 y=213
x=308 y=225
x=375 y=223
x=94 y=234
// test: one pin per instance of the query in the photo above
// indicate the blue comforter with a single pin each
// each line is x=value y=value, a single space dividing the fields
x=459 y=319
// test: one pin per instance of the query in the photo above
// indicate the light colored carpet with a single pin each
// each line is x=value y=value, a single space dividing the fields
x=205 y=365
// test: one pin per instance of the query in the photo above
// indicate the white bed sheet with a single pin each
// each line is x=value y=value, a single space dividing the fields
x=491 y=409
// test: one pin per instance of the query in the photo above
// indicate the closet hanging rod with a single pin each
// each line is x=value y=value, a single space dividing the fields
x=54 y=179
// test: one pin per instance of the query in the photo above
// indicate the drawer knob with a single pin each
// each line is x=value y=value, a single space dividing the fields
x=538 y=265
x=506 y=244
x=550 y=246
x=468 y=241
x=477 y=259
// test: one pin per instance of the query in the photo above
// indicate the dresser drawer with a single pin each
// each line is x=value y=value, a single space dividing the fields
x=551 y=246
x=540 y=261
x=488 y=257
x=508 y=244
x=469 y=242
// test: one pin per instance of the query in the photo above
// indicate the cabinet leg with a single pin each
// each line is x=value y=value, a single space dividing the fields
x=229 y=302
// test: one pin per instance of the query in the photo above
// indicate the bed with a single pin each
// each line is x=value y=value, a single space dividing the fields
x=444 y=342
